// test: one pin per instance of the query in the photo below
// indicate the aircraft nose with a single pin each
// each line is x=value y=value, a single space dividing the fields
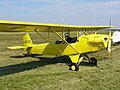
x=105 y=39
x=105 y=42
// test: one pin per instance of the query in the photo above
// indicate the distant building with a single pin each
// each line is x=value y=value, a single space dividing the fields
x=116 y=37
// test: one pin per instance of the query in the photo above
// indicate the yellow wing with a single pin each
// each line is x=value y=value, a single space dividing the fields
x=15 y=26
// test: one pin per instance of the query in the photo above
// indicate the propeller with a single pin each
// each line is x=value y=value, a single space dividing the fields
x=109 y=42
x=109 y=45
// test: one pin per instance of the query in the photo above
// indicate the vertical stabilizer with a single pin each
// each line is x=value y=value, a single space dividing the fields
x=27 y=40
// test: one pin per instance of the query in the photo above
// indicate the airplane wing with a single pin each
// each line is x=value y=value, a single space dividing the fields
x=15 y=26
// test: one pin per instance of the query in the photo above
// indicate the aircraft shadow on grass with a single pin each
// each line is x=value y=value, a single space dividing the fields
x=16 y=68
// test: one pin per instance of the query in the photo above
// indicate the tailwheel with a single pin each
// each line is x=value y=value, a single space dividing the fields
x=93 y=61
x=27 y=54
x=74 y=67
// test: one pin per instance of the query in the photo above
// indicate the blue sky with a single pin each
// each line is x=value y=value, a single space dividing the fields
x=78 y=12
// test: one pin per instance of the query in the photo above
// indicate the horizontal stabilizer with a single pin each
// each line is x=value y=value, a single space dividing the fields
x=16 y=47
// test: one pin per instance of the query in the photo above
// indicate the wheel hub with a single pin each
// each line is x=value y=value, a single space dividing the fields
x=73 y=67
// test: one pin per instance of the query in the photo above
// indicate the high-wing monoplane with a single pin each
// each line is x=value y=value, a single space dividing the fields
x=75 y=47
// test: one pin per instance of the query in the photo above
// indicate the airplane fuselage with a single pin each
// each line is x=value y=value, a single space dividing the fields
x=84 y=44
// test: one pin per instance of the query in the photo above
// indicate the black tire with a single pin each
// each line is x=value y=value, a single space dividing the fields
x=93 y=61
x=74 y=67
x=27 y=54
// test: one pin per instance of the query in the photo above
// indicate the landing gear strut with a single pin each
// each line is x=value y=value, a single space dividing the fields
x=76 y=59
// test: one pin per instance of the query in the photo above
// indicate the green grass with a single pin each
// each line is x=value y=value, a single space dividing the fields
x=51 y=73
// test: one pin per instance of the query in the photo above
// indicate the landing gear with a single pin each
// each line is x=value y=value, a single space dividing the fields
x=74 y=67
x=27 y=54
x=93 y=61
x=76 y=59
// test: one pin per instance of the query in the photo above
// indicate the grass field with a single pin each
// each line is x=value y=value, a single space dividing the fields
x=51 y=73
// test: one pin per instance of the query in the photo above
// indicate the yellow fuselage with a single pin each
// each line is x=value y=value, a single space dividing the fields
x=84 y=44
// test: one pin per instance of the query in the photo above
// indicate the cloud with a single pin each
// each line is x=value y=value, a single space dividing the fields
x=73 y=6
x=6 y=4
x=109 y=7
x=113 y=3
x=110 y=4
x=23 y=4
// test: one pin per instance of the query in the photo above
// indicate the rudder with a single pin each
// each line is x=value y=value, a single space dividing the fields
x=27 y=40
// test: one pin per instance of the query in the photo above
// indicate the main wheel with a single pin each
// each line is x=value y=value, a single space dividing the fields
x=74 y=67
x=93 y=61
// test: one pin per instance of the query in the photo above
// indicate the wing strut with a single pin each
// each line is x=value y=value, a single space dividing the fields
x=64 y=40
x=47 y=41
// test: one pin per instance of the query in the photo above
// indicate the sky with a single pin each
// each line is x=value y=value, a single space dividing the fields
x=75 y=12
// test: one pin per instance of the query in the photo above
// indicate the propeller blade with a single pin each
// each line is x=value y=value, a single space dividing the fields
x=109 y=41
x=109 y=47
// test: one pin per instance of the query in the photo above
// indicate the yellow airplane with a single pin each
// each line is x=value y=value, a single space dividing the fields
x=76 y=48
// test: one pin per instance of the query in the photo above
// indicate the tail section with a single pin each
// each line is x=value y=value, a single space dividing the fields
x=27 y=44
